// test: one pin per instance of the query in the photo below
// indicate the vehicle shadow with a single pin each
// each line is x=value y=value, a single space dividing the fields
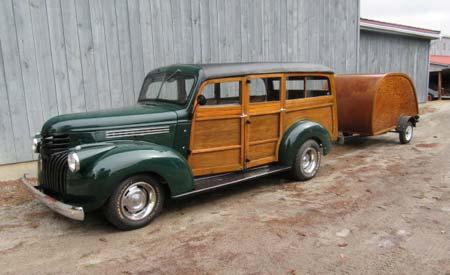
x=251 y=187
x=95 y=221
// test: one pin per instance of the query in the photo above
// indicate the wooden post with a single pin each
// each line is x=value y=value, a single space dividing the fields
x=440 y=84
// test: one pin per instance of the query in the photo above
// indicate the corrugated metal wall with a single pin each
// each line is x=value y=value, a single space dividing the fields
x=380 y=53
x=441 y=46
x=63 y=56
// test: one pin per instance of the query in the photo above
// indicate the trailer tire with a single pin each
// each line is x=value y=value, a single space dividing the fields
x=406 y=133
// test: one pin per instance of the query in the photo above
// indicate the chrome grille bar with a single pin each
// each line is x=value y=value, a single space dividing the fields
x=137 y=132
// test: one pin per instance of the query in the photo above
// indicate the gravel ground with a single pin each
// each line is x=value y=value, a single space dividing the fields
x=376 y=207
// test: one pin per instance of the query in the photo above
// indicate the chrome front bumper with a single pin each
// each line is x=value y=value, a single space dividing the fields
x=70 y=211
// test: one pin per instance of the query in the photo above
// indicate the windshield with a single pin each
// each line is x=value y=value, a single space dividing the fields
x=172 y=87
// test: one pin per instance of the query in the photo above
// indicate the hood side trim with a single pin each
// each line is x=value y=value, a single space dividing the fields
x=137 y=132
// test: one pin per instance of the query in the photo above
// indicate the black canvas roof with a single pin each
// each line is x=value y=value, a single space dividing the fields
x=235 y=69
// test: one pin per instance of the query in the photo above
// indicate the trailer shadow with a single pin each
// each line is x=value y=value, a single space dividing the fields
x=360 y=142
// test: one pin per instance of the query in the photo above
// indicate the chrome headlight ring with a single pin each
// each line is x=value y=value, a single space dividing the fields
x=73 y=161
x=35 y=146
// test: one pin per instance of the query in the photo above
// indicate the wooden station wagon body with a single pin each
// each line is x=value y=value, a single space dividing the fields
x=242 y=125
x=195 y=128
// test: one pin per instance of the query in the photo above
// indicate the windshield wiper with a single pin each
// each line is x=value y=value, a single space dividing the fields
x=164 y=81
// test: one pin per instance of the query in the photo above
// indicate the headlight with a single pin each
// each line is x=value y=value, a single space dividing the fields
x=73 y=161
x=35 y=145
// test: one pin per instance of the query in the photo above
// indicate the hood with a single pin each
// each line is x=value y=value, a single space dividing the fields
x=137 y=115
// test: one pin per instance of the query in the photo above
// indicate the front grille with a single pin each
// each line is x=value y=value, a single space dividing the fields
x=54 y=151
x=54 y=143
x=54 y=171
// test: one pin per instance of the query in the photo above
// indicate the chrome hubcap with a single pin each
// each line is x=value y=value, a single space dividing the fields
x=408 y=132
x=138 y=201
x=309 y=160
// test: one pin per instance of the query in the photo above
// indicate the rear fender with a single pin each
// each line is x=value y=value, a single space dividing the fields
x=297 y=134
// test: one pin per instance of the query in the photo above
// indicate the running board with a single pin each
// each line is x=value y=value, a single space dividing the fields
x=207 y=183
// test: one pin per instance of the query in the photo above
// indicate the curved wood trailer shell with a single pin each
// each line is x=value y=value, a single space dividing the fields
x=373 y=104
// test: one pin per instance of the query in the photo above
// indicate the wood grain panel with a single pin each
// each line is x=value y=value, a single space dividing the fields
x=217 y=133
x=215 y=162
x=321 y=115
x=264 y=127
x=262 y=150
x=394 y=98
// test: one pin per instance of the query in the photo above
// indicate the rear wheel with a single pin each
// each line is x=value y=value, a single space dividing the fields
x=135 y=202
x=307 y=161
x=407 y=132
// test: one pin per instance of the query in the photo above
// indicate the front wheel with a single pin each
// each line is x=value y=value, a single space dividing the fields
x=307 y=161
x=406 y=134
x=135 y=202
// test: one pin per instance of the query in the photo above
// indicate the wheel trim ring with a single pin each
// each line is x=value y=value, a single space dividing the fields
x=309 y=160
x=138 y=201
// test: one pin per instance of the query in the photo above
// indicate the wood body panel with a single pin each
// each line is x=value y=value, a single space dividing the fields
x=227 y=138
x=395 y=97
x=321 y=112
x=373 y=104
x=217 y=136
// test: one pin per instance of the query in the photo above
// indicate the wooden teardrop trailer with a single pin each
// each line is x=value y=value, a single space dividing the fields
x=371 y=105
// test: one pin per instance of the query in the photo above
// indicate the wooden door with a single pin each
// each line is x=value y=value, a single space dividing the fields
x=264 y=121
x=217 y=133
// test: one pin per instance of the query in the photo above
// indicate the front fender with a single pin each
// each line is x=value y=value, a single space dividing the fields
x=100 y=174
x=297 y=134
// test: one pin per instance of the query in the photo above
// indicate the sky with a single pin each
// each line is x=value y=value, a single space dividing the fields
x=429 y=14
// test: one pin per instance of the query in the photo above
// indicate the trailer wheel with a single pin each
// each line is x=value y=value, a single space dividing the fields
x=407 y=132
x=307 y=161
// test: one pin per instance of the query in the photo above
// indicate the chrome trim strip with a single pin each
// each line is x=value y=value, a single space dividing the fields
x=137 y=132
x=70 y=211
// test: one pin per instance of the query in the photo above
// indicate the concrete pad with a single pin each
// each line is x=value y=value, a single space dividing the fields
x=16 y=170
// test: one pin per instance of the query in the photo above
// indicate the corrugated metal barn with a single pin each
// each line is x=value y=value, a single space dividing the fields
x=386 y=47
x=440 y=68
x=441 y=46
x=61 y=56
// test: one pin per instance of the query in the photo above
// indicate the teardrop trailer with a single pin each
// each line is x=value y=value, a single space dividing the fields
x=370 y=105
x=197 y=128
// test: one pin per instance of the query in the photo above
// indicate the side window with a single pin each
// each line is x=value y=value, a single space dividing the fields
x=295 y=87
x=317 y=86
x=223 y=93
x=264 y=89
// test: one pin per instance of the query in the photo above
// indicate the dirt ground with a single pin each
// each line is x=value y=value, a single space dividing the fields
x=376 y=207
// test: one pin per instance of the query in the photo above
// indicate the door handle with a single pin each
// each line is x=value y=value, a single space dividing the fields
x=248 y=121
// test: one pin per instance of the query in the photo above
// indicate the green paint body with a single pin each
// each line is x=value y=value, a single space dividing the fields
x=106 y=162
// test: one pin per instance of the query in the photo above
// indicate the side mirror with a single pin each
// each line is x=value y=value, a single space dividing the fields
x=201 y=99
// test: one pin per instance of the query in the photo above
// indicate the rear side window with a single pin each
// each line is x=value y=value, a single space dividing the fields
x=307 y=86
x=295 y=87
x=264 y=89
x=317 y=86
x=223 y=93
